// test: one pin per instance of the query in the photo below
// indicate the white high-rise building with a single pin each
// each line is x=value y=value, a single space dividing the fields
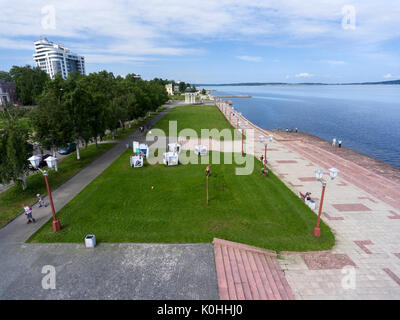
x=55 y=58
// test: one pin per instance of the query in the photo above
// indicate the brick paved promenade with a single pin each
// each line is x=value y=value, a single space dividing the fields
x=362 y=207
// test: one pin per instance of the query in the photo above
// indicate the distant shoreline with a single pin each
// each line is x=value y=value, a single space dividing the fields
x=393 y=82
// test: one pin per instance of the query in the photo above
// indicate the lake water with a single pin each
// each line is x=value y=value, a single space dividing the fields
x=366 y=117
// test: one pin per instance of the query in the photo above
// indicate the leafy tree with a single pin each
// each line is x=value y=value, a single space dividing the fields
x=29 y=83
x=182 y=86
x=99 y=86
x=203 y=91
x=132 y=77
x=51 y=119
x=4 y=75
x=15 y=150
x=77 y=102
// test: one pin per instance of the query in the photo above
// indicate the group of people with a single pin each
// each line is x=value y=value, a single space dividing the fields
x=289 y=130
x=339 y=143
x=142 y=128
x=28 y=209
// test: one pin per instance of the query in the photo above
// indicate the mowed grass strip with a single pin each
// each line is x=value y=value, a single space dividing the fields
x=121 y=205
x=13 y=199
x=196 y=118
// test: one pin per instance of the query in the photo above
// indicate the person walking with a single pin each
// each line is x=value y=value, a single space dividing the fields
x=40 y=201
x=28 y=213
x=334 y=142
x=340 y=143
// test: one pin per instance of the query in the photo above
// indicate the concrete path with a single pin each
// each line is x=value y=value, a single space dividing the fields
x=361 y=207
x=110 y=271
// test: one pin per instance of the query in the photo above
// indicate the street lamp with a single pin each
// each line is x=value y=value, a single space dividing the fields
x=51 y=163
x=270 y=140
x=319 y=174
x=207 y=175
x=241 y=130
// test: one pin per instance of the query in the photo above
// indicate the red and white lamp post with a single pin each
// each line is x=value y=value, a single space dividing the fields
x=51 y=164
x=207 y=175
x=242 y=131
x=270 y=140
x=333 y=172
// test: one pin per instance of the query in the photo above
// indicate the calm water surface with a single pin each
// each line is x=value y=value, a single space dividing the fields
x=366 y=118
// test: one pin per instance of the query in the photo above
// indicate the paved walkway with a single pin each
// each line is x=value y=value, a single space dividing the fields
x=361 y=206
x=110 y=271
x=249 y=273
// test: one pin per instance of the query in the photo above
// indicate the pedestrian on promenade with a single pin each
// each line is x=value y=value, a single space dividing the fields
x=296 y=130
x=262 y=159
x=340 y=143
x=334 y=142
x=40 y=201
x=28 y=213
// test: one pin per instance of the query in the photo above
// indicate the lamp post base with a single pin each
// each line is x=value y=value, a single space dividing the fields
x=56 y=225
x=317 y=232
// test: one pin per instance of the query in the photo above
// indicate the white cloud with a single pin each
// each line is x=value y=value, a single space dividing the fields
x=103 y=58
x=304 y=75
x=176 y=27
x=388 y=76
x=250 y=58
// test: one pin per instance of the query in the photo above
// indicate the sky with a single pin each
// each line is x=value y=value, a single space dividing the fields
x=219 y=41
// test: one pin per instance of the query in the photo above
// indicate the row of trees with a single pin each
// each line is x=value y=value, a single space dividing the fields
x=29 y=82
x=78 y=109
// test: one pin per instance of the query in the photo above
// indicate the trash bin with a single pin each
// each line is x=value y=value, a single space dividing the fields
x=90 y=241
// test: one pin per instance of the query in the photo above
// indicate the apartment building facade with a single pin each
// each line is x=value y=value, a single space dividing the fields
x=55 y=58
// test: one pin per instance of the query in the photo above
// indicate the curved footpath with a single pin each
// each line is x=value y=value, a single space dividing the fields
x=361 y=206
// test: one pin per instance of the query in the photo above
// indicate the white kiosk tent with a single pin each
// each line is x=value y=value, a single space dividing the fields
x=136 y=161
x=174 y=148
x=171 y=159
x=200 y=150
x=141 y=149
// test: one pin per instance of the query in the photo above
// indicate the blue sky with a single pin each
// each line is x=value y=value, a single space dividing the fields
x=221 y=41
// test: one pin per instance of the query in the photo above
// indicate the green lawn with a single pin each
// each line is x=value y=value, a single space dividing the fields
x=12 y=200
x=196 y=118
x=121 y=206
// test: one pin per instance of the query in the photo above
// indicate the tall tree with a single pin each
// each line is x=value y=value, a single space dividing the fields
x=15 y=151
x=4 y=75
x=99 y=86
x=51 y=121
x=29 y=83
x=77 y=102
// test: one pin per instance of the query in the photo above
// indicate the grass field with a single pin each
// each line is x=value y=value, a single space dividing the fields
x=121 y=206
x=168 y=204
x=196 y=118
x=12 y=200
